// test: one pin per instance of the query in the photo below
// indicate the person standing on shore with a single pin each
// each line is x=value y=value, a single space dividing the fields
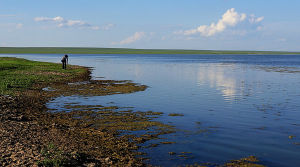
x=64 y=61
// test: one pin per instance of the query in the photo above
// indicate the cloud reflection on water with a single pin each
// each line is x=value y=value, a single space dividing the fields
x=219 y=76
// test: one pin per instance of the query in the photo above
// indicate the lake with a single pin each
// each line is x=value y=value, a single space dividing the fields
x=233 y=106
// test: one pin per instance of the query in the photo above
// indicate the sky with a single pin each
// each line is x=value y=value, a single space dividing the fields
x=152 y=24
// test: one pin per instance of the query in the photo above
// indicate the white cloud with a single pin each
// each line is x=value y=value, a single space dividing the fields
x=61 y=22
x=229 y=19
x=254 y=19
x=137 y=36
x=55 y=19
x=260 y=19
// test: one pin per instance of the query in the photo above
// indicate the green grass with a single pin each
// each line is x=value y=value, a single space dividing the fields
x=78 y=50
x=20 y=74
x=53 y=157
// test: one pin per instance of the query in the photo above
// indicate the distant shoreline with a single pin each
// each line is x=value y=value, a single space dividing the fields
x=82 y=50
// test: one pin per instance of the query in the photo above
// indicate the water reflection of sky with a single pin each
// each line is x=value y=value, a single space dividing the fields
x=215 y=75
x=243 y=110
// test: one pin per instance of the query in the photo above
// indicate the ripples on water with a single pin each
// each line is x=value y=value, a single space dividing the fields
x=233 y=105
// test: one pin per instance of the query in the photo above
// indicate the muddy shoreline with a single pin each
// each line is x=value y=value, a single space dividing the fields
x=32 y=136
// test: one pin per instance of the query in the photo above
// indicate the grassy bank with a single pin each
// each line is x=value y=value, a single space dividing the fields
x=77 y=50
x=20 y=74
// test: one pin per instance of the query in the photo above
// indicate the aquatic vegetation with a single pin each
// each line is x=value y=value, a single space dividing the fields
x=250 y=161
x=172 y=153
x=153 y=145
x=175 y=114
x=291 y=137
x=97 y=88
x=105 y=124
x=185 y=152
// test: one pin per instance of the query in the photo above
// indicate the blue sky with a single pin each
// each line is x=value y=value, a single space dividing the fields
x=160 y=24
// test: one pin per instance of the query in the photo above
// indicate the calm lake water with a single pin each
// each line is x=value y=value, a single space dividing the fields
x=233 y=105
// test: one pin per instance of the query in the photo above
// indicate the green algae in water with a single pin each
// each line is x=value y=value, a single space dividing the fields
x=111 y=118
x=250 y=161
x=175 y=114
x=172 y=153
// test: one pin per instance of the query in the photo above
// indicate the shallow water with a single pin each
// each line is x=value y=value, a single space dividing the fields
x=233 y=105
